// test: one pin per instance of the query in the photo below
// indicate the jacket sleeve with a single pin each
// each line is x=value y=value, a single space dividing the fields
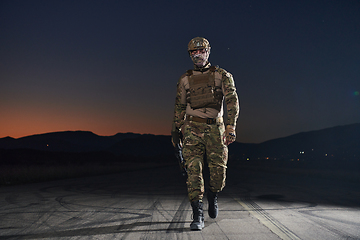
x=180 y=105
x=231 y=98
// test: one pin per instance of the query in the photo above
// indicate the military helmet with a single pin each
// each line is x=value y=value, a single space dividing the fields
x=198 y=43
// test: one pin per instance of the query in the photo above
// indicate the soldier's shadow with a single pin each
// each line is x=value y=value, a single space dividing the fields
x=137 y=227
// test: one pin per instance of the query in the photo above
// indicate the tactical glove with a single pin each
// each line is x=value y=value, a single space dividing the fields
x=176 y=136
x=230 y=134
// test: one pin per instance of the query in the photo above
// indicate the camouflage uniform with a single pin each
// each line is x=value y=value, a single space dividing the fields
x=203 y=139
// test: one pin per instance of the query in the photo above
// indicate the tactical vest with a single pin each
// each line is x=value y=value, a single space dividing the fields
x=202 y=92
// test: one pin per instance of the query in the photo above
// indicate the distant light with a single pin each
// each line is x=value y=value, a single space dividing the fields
x=302 y=152
x=325 y=154
x=356 y=93
x=248 y=159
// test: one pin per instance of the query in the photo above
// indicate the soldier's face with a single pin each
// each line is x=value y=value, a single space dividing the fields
x=200 y=57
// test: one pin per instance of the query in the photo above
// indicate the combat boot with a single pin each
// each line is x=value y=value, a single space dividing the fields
x=198 y=215
x=213 y=206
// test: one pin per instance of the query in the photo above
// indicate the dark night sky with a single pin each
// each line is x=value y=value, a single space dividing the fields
x=112 y=66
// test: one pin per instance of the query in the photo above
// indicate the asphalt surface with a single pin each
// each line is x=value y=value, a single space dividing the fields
x=152 y=204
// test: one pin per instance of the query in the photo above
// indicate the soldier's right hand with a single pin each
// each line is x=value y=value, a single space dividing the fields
x=174 y=142
x=176 y=137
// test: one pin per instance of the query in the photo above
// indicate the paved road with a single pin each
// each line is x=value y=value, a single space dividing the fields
x=152 y=204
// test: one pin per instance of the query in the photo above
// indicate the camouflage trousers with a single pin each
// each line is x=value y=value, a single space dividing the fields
x=204 y=140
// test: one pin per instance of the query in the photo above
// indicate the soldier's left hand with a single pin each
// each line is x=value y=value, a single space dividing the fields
x=230 y=134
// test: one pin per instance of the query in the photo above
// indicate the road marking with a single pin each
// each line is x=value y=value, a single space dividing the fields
x=266 y=219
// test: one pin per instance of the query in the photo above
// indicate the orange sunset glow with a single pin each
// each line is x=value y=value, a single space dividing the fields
x=113 y=67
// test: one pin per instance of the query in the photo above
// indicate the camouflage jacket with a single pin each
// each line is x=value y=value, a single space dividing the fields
x=223 y=79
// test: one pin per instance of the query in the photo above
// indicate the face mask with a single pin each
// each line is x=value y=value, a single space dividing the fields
x=200 y=59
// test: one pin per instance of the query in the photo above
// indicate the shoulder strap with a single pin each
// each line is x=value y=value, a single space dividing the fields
x=189 y=72
x=213 y=68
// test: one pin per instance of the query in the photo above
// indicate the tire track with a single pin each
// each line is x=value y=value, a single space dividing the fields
x=177 y=224
x=267 y=220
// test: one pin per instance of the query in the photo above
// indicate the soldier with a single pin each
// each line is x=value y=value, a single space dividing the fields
x=198 y=117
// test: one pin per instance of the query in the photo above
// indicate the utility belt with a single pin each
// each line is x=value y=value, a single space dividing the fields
x=204 y=120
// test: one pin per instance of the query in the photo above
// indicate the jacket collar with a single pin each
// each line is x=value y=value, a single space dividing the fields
x=202 y=69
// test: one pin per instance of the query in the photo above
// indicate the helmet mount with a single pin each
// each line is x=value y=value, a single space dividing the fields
x=198 y=43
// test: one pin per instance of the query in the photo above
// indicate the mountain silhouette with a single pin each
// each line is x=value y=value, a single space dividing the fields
x=336 y=146
x=67 y=141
